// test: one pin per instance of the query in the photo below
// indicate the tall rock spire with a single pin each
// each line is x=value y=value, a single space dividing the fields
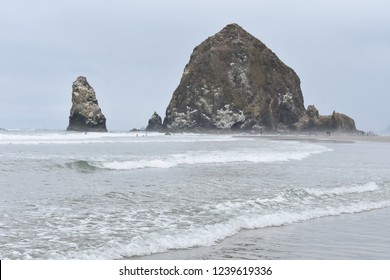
x=85 y=114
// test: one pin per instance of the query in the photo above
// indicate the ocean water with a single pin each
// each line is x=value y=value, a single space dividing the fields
x=71 y=195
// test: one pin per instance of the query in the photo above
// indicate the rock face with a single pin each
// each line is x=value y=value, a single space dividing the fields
x=233 y=81
x=313 y=121
x=154 y=123
x=85 y=114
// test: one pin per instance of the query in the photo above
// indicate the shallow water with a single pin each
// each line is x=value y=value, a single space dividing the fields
x=360 y=236
x=114 y=195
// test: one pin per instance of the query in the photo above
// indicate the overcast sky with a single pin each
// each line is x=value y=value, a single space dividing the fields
x=133 y=54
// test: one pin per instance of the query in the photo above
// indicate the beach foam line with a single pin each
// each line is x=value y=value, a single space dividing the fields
x=294 y=197
x=243 y=215
x=213 y=157
x=209 y=235
x=369 y=187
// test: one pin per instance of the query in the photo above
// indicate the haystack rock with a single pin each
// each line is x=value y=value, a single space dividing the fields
x=234 y=81
x=85 y=114
x=154 y=123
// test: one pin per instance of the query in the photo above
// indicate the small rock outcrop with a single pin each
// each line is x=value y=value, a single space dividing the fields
x=313 y=121
x=154 y=123
x=85 y=114
x=233 y=81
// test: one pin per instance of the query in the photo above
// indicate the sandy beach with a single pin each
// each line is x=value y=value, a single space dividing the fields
x=341 y=138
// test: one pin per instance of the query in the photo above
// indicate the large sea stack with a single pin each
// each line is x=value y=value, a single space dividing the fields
x=85 y=114
x=234 y=81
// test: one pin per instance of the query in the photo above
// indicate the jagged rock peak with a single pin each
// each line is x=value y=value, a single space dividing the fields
x=235 y=32
x=342 y=122
x=85 y=114
x=154 y=123
x=313 y=121
x=233 y=81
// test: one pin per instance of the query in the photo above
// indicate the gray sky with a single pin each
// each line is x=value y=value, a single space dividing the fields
x=133 y=54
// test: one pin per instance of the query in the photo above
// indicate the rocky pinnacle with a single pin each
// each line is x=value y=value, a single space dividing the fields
x=85 y=114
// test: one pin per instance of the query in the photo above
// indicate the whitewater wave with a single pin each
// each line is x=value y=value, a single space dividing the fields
x=296 y=197
x=250 y=214
x=212 y=157
x=372 y=186
x=211 y=234
x=81 y=166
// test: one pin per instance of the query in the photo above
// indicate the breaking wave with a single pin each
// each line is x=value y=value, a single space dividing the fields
x=211 y=234
x=213 y=157
x=287 y=207
x=81 y=166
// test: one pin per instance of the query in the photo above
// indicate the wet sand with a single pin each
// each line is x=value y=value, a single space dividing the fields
x=361 y=236
x=354 y=138
x=338 y=138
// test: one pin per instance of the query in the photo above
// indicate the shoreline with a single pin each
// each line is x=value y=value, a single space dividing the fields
x=317 y=138
x=335 y=137
x=358 y=236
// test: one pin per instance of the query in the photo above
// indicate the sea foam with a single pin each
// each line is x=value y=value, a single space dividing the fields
x=249 y=214
x=210 y=234
x=214 y=157
x=369 y=187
